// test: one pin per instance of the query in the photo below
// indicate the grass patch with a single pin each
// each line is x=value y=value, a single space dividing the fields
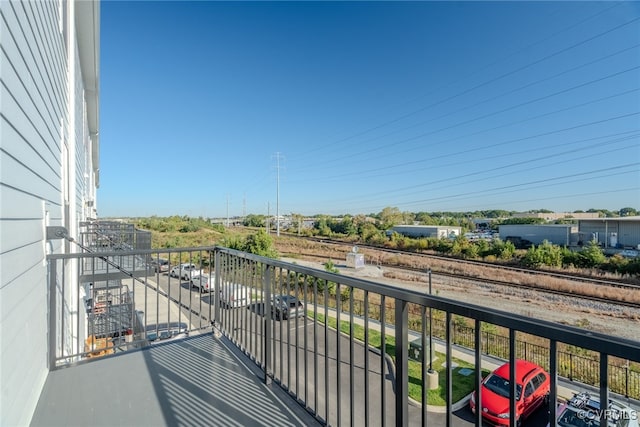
x=461 y=385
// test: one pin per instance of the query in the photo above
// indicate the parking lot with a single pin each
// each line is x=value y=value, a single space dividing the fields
x=306 y=356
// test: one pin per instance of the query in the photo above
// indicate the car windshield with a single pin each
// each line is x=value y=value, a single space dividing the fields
x=571 y=418
x=500 y=386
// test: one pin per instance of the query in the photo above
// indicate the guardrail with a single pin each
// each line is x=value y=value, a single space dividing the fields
x=360 y=374
x=318 y=290
x=583 y=367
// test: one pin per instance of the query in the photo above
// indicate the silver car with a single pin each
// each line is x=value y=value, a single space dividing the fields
x=287 y=306
x=583 y=410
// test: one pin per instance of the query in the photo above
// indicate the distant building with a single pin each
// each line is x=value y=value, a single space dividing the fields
x=559 y=234
x=416 y=231
x=613 y=234
x=616 y=233
x=553 y=216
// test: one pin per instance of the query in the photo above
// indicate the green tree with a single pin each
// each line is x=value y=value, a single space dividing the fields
x=509 y=221
x=297 y=220
x=592 y=255
x=544 y=254
x=260 y=243
x=628 y=212
x=389 y=217
x=369 y=233
x=233 y=242
x=483 y=247
x=252 y=220
x=322 y=225
x=443 y=246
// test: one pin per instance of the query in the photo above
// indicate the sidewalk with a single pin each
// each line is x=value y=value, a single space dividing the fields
x=565 y=389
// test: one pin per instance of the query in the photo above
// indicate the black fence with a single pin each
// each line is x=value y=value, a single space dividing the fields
x=579 y=365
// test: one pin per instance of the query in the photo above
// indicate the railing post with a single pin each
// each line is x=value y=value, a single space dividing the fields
x=266 y=292
x=512 y=377
x=626 y=380
x=604 y=387
x=217 y=287
x=448 y=375
x=570 y=366
x=52 y=312
x=402 y=363
x=478 y=373
x=553 y=372
x=486 y=346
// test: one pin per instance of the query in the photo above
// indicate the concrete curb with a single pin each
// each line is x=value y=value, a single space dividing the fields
x=430 y=408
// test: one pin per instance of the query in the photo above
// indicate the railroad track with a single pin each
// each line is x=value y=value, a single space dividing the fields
x=548 y=291
x=601 y=283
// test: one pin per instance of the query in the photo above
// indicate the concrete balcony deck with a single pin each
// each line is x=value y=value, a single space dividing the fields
x=198 y=380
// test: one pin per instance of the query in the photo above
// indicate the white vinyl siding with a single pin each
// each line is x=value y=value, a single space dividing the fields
x=39 y=122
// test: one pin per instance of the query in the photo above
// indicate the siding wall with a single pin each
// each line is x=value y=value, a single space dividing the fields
x=40 y=127
x=536 y=234
x=627 y=231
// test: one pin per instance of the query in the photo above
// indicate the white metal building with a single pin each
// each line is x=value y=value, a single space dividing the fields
x=623 y=232
x=416 y=231
x=49 y=70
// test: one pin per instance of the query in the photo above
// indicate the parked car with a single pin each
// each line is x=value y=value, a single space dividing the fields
x=159 y=265
x=287 y=306
x=531 y=378
x=203 y=282
x=185 y=271
x=583 y=410
x=234 y=295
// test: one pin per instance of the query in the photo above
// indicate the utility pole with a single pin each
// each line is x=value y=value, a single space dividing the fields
x=227 y=211
x=278 y=194
x=268 y=217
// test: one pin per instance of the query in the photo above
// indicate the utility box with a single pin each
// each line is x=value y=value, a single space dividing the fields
x=416 y=351
x=355 y=259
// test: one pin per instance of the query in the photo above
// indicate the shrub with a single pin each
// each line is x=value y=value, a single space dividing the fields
x=544 y=254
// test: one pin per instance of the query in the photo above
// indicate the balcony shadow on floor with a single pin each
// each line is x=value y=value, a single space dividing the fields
x=192 y=381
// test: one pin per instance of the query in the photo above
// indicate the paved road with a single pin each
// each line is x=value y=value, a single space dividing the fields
x=299 y=346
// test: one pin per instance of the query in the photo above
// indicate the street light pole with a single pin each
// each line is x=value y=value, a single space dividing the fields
x=430 y=331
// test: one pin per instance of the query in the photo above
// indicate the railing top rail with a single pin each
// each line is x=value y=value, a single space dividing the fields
x=611 y=345
x=133 y=252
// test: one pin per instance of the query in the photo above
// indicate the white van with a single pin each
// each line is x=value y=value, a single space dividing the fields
x=234 y=295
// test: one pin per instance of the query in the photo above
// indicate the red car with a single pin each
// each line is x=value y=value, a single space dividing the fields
x=495 y=392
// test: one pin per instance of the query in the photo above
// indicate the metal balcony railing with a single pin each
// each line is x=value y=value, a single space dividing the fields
x=341 y=346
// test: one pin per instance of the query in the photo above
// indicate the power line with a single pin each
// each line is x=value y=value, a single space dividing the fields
x=489 y=146
x=491 y=80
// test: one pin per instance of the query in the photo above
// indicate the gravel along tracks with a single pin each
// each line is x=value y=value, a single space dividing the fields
x=600 y=317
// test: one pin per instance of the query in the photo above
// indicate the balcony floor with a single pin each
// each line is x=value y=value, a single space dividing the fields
x=200 y=380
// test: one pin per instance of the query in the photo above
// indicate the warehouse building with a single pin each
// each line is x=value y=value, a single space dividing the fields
x=612 y=233
x=558 y=234
x=417 y=231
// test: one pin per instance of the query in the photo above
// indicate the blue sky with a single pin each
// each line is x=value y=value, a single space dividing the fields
x=216 y=108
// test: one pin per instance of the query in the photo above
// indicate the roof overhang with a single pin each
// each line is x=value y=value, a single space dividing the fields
x=87 y=18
